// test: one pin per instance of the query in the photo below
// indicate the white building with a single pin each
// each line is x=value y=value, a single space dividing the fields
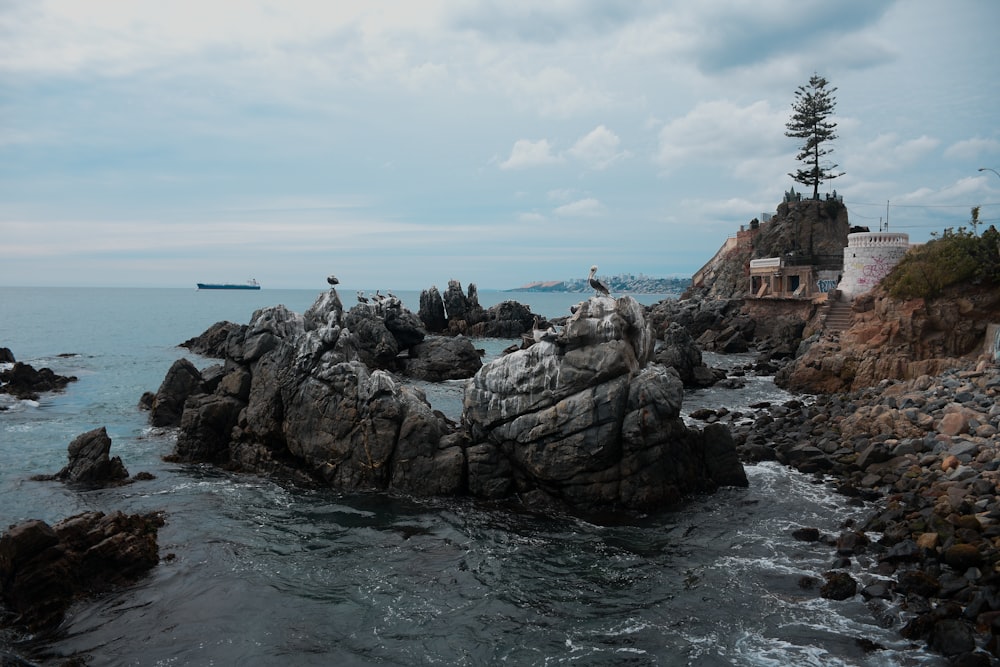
x=868 y=257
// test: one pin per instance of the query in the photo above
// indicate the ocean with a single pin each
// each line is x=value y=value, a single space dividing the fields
x=268 y=574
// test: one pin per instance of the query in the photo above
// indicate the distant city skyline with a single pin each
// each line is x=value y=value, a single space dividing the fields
x=406 y=144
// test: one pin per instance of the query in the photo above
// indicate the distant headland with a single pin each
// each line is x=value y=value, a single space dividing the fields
x=624 y=283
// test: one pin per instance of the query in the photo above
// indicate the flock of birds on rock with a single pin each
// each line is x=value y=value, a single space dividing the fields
x=378 y=299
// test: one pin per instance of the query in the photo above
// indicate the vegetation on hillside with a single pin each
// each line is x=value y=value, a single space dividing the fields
x=957 y=256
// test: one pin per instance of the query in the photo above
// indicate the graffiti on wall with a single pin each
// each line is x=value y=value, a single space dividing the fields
x=870 y=271
x=824 y=286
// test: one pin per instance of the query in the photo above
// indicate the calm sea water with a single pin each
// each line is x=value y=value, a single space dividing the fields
x=265 y=574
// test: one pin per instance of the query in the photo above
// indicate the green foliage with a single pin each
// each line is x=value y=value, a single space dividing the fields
x=954 y=258
x=814 y=105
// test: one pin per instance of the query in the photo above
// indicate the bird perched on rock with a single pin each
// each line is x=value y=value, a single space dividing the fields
x=332 y=279
x=362 y=298
x=598 y=286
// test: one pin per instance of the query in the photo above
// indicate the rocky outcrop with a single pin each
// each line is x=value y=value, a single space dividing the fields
x=44 y=568
x=298 y=399
x=24 y=382
x=212 y=342
x=585 y=420
x=90 y=463
x=679 y=351
x=893 y=339
x=181 y=381
x=582 y=419
x=812 y=230
x=459 y=314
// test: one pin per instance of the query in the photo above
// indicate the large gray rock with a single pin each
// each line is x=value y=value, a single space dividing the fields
x=580 y=417
x=90 y=463
x=181 y=381
x=440 y=358
x=679 y=351
x=585 y=420
x=432 y=311
x=300 y=401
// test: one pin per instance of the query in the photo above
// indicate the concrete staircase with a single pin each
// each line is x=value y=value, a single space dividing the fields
x=838 y=316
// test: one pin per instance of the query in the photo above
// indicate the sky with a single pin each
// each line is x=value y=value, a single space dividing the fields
x=403 y=144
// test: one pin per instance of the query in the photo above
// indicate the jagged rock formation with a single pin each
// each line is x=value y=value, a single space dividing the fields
x=24 y=382
x=90 y=463
x=584 y=419
x=458 y=314
x=680 y=352
x=893 y=339
x=44 y=568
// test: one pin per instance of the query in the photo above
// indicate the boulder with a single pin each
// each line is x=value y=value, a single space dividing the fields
x=440 y=358
x=43 y=568
x=432 y=312
x=508 y=319
x=89 y=463
x=181 y=381
x=214 y=340
x=679 y=351
x=24 y=382
x=586 y=421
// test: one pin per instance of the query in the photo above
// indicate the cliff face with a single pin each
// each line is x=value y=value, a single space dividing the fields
x=808 y=229
x=894 y=339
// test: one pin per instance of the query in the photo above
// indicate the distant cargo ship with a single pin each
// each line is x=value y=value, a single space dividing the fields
x=252 y=284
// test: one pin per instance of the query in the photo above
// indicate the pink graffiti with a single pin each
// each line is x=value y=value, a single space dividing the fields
x=878 y=269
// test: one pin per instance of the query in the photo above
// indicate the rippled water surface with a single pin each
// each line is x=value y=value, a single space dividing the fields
x=256 y=573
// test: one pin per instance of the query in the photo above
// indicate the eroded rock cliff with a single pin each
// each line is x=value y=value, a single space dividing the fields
x=893 y=339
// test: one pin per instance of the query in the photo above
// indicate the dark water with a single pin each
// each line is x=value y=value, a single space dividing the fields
x=262 y=574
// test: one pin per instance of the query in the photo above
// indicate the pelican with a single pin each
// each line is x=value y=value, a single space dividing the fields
x=332 y=279
x=598 y=286
x=362 y=298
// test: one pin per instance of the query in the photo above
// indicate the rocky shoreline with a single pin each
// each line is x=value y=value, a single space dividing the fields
x=922 y=454
x=925 y=453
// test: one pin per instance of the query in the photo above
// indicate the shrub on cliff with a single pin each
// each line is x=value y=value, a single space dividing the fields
x=956 y=257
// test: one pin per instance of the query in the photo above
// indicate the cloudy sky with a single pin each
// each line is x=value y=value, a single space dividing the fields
x=400 y=144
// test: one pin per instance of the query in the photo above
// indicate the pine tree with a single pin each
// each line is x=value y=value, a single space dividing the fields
x=810 y=120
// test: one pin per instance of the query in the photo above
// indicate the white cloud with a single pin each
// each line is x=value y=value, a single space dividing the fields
x=970 y=149
x=888 y=152
x=531 y=217
x=581 y=208
x=599 y=149
x=721 y=131
x=527 y=153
